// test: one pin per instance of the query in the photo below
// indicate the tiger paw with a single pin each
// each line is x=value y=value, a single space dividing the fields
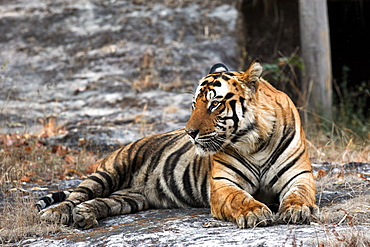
x=83 y=217
x=297 y=213
x=57 y=214
x=258 y=215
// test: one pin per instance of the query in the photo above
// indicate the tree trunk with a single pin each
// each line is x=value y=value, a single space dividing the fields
x=317 y=79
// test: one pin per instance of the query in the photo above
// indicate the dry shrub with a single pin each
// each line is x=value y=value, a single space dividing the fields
x=27 y=161
x=337 y=145
x=27 y=158
x=19 y=219
x=353 y=237
x=352 y=207
x=343 y=218
x=351 y=212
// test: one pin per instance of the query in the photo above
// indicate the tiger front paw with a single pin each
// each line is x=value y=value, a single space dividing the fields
x=83 y=217
x=297 y=212
x=57 y=215
x=254 y=215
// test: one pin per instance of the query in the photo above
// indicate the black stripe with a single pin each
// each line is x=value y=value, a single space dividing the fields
x=106 y=205
x=143 y=143
x=166 y=143
x=187 y=183
x=71 y=202
x=223 y=178
x=108 y=179
x=133 y=205
x=205 y=82
x=58 y=196
x=98 y=180
x=226 y=78
x=229 y=73
x=47 y=200
x=237 y=171
x=288 y=136
x=121 y=169
x=285 y=169
x=217 y=83
x=235 y=115
x=247 y=164
x=244 y=131
x=120 y=201
x=213 y=91
x=162 y=196
x=220 y=127
x=85 y=190
x=160 y=191
x=204 y=189
x=244 y=110
x=169 y=175
x=229 y=95
x=290 y=180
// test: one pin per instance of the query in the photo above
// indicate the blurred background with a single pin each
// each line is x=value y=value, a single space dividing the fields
x=108 y=72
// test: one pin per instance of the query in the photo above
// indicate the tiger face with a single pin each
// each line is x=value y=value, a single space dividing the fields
x=224 y=109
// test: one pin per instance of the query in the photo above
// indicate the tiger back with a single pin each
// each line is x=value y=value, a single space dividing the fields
x=243 y=154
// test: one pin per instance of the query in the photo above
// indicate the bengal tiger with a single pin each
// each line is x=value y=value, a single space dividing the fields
x=242 y=153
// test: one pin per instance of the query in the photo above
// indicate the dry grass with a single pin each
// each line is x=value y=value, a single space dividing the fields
x=353 y=237
x=348 y=212
x=26 y=161
x=336 y=144
x=26 y=158
x=19 y=220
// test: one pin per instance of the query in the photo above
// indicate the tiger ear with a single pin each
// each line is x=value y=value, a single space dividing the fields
x=218 y=67
x=250 y=78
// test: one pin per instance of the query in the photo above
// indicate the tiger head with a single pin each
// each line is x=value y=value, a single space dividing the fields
x=225 y=110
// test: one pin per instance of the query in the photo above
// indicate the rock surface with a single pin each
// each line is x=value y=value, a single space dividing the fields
x=196 y=227
x=109 y=72
x=187 y=227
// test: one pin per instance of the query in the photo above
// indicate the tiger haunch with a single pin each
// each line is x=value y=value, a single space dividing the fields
x=243 y=154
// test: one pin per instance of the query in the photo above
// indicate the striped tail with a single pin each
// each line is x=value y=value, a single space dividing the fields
x=51 y=199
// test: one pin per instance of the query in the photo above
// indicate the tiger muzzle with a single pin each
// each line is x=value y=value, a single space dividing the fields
x=192 y=133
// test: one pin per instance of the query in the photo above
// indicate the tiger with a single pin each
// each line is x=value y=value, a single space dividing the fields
x=242 y=154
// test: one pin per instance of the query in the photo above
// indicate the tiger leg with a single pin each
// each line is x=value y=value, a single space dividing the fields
x=111 y=175
x=86 y=214
x=62 y=213
x=230 y=203
x=298 y=201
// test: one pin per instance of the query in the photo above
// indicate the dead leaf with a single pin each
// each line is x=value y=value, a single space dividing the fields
x=59 y=150
x=70 y=159
x=92 y=167
x=25 y=179
x=320 y=174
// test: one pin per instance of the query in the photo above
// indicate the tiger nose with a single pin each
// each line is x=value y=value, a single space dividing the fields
x=192 y=133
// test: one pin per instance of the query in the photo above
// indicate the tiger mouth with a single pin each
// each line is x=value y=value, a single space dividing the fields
x=210 y=145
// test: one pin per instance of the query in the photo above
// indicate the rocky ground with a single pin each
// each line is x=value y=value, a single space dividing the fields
x=103 y=73
x=344 y=202
x=190 y=227
x=109 y=72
